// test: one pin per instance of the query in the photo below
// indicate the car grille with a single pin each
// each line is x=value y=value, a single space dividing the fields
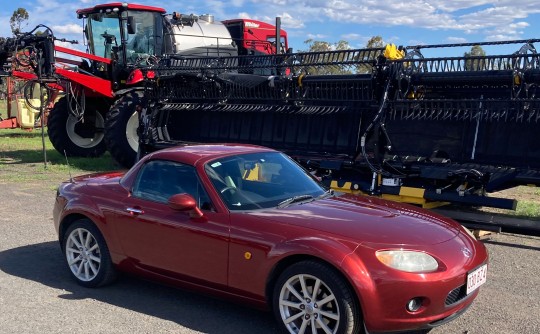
x=456 y=295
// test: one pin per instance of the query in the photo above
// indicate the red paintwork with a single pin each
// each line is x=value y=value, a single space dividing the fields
x=120 y=6
x=90 y=83
x=9 y=123
x=82 y=54
x=207 y=253
x=24 y=75
x=33 y=76
x=135 y=77
x=261 y=31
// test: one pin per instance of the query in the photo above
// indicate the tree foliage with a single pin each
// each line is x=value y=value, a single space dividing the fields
x=322 y=46
x=322 y=53
x=17 y=19
x=475 y=64
x=373 y=43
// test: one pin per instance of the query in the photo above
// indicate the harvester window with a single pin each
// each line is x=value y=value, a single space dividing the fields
x=103 y=32
x=272 y=41
x=140 y=43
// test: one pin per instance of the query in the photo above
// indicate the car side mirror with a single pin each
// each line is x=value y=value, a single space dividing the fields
x=185 y=202
x=131 y=25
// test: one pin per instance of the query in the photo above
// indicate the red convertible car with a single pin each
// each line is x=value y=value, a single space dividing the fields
x=248 y=223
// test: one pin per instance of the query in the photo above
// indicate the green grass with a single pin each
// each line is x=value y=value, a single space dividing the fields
x=528 y=209
x=21 y=151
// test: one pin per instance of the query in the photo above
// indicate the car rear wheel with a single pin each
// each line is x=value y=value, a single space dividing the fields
x=87 y=255
x=311 y=297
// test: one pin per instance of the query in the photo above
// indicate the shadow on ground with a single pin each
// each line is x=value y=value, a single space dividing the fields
x=43 y=263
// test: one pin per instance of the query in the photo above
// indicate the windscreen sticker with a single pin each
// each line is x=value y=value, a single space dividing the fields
x=216 y=164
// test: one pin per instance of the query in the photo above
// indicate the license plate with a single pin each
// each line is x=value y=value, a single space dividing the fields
x=476 y=278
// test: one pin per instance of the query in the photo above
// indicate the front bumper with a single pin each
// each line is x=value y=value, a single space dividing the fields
x=384 y=292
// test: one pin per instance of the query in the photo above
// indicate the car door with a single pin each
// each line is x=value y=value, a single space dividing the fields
x=171 y=242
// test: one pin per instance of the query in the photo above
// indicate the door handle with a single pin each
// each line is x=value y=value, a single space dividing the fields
x=135 y=211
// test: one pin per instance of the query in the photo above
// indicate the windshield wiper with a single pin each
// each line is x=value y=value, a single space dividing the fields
x=294 y=199
x=328 y=193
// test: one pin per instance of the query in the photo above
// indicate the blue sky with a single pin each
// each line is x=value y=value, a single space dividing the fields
x=400 y=22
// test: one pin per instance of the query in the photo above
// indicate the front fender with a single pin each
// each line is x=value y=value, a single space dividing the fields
x=340 y=254
x=265 y=264
x=80 y=207
x=333 y=251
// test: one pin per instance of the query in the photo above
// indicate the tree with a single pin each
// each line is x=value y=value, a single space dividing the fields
x=17 y=19
x=321 y=46
x=475 y=64
x=323 y=52
x=374 y=42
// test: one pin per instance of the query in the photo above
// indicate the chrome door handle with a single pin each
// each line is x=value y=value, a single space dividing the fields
x=135 y=211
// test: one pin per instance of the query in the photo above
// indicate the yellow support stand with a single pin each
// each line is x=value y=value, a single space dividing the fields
x=406 y=195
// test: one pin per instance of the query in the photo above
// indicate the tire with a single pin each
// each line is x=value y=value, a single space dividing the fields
x=76 y=139
x=340 y=313
x=87 y=255
x=121 y=126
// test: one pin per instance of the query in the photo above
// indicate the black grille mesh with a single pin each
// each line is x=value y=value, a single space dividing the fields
x=456 y=295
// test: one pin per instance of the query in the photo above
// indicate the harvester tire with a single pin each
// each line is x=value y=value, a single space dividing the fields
x=75 y=138
x=121 y=126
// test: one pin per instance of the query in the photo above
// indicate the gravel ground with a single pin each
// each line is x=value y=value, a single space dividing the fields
x=37 y=294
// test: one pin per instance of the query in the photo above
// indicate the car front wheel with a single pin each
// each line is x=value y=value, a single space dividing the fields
x=87 y=255
x=311 y=297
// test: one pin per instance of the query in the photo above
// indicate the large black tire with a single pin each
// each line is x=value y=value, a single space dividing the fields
x=340 y=313
x=76 y=139
x=121 y=126
x=87 y=255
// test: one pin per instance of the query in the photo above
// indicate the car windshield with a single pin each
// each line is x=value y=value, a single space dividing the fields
x=261 y=180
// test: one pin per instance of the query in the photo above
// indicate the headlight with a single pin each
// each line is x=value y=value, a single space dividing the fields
x=409 y=261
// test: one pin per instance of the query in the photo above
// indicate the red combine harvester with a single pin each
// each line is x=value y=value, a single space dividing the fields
x=98 y=110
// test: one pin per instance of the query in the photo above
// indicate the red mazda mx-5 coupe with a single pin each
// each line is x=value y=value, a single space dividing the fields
x=248 y=223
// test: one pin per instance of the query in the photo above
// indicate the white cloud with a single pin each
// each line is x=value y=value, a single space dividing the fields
x=287 y=20
x=291 y=22
x=465 y=16
x=352 y=37
x=71 y=28
x=453 y=21
x=519 y=25
x=316 y=36
x=454 y=5
x=244 y=15
x=452 y=39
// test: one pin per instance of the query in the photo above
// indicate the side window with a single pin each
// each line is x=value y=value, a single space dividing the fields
x=158 y=180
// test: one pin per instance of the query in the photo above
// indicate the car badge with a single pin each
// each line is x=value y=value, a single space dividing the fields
x=467 y=252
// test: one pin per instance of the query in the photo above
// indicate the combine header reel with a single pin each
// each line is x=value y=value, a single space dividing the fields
x=383 y=121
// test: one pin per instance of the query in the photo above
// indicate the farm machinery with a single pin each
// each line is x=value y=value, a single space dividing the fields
x=382 y=121
x=92 y=108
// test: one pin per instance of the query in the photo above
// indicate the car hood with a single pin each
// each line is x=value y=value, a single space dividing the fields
x=367 y=220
